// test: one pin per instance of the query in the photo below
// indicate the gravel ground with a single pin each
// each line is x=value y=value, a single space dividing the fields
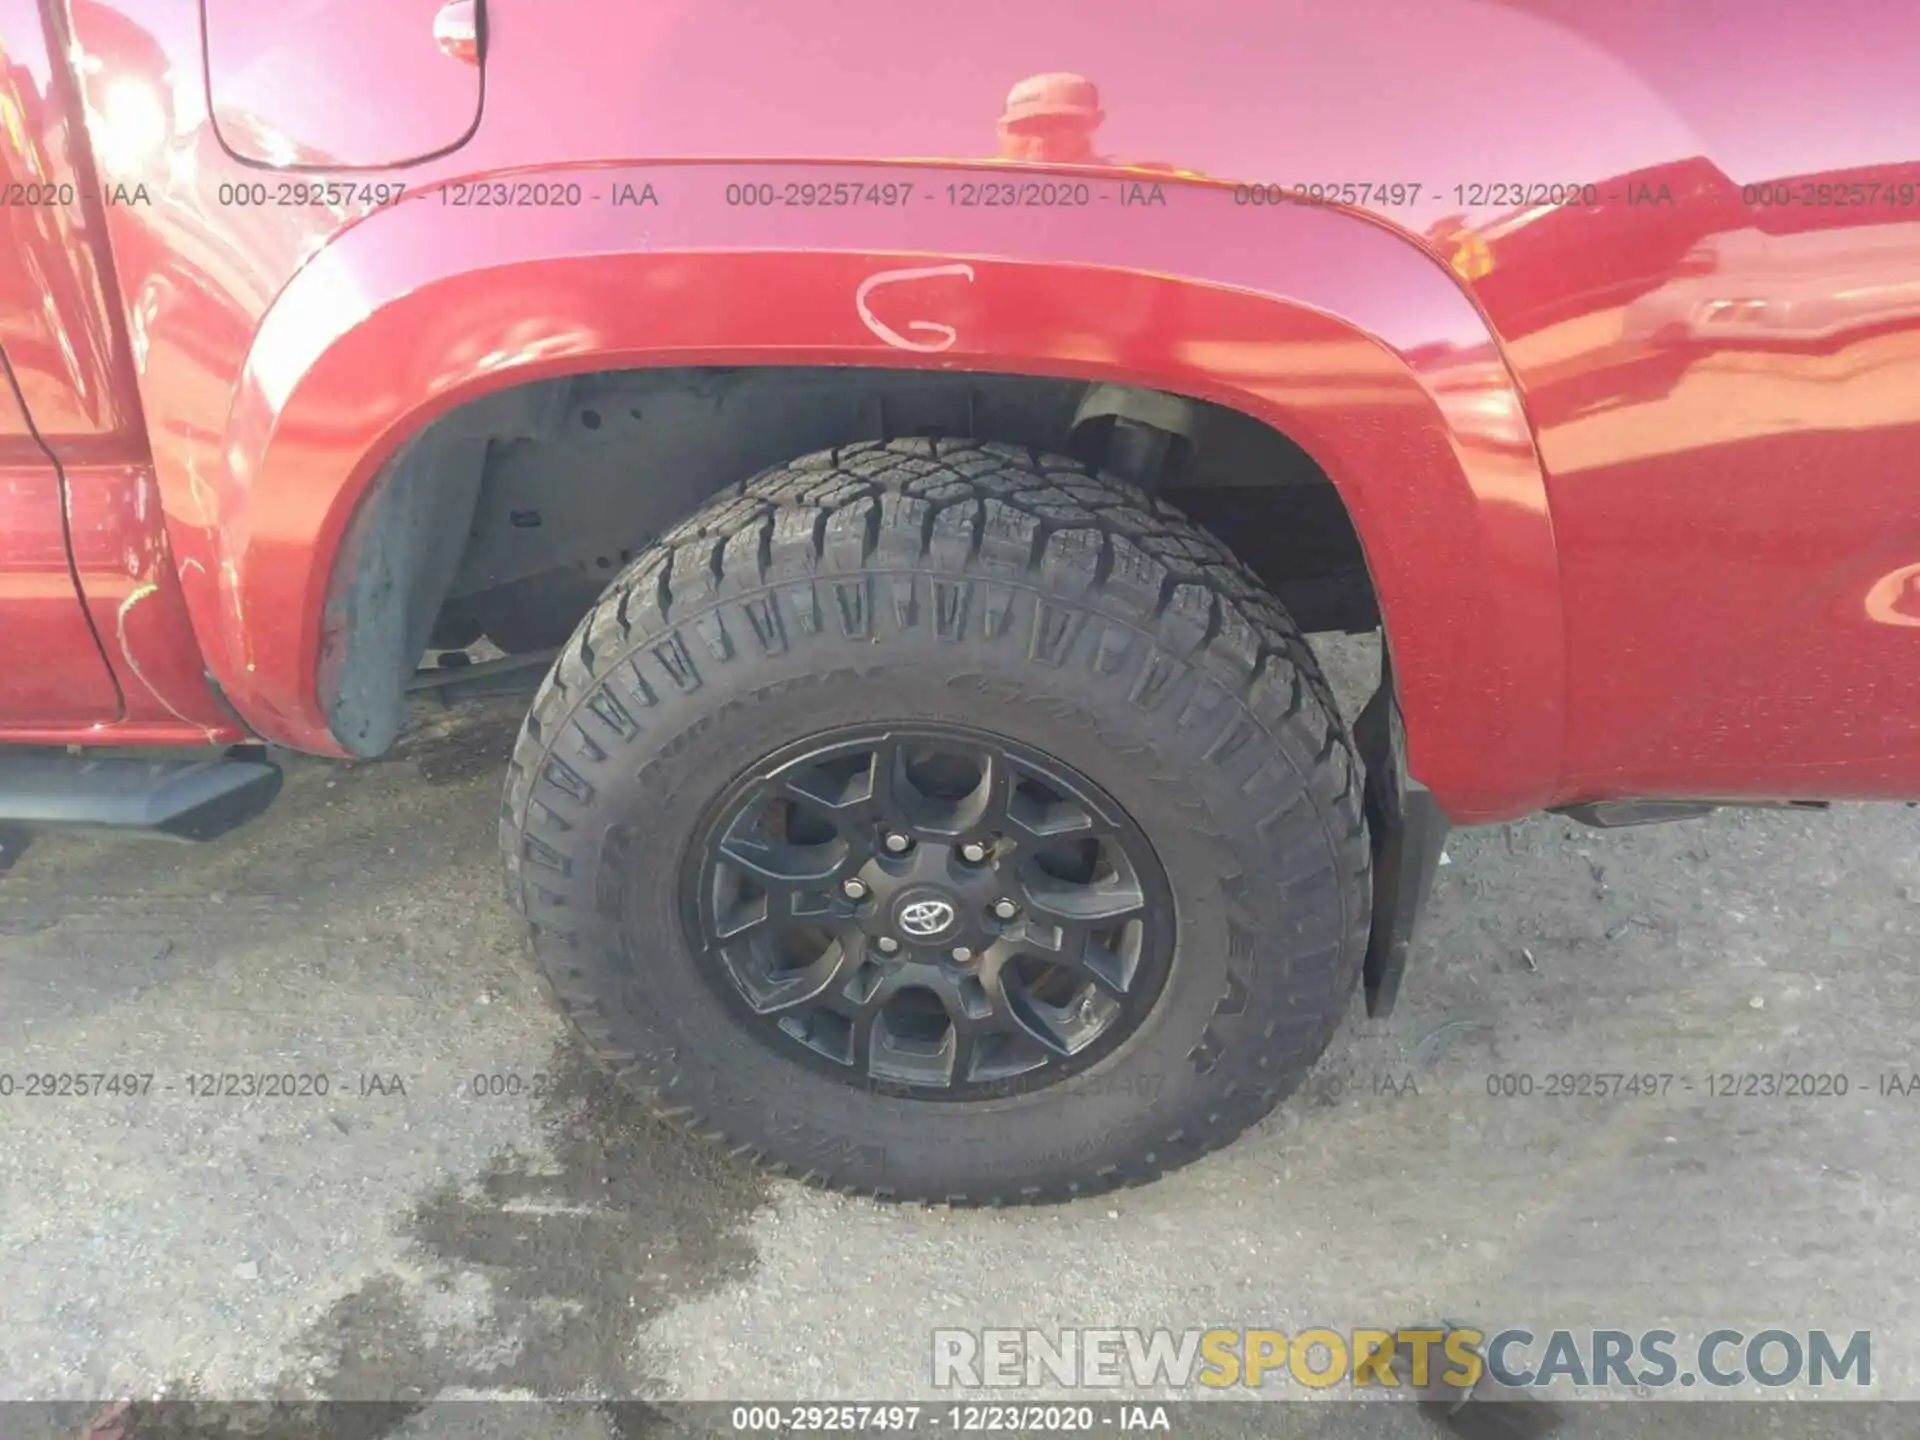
x=402 y=1237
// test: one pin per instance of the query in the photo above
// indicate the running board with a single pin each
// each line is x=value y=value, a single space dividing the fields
x=165 y=799
x=1618 y=814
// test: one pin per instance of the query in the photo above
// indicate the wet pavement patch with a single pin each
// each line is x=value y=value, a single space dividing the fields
x=179 y=1418
x=537 y=1280
x=542 y=1274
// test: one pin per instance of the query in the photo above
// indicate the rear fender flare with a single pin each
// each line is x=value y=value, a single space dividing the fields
x=1330 y=326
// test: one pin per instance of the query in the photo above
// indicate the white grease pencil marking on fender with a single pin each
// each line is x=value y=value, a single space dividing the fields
x=893 y=337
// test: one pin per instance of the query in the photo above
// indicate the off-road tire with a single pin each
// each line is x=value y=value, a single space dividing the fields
x=977 y=584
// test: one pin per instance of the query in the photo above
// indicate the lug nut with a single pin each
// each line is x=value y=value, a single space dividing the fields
x=854 y=889
x=973 y=852
x=886 y=945
x=1005 y=909
x=962 y=954
x=897 y=844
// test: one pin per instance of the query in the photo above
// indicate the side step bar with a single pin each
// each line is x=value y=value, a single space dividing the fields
x=1618 y=814
x=189 y=799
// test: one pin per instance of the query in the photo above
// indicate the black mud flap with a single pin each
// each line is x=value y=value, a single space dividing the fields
x=1409 y=832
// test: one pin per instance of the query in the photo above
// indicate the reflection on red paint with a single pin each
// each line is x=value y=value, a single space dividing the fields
x=1051 y=119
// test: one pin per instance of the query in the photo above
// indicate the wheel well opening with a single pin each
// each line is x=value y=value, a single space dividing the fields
x=506 y=519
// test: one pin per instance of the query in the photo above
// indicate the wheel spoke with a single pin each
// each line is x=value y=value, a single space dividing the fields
x=864 y=1020
x=1064 y=903
x=1019 y=1013
x=838 y=800
x=1063 y=1026
x=1000 y=1041
x=880 y=1054
x=740 y=917
x=777 y=902
x=1057 y=942
x=885 y=775
x=1040 y=813
x=956 y=794
x=784 y=991
x=1013 y=1052
x=803 y=986
x=1081 y=950
x=996 y=794
x=773 y=863
x=962 y=1044
x=1110 y=971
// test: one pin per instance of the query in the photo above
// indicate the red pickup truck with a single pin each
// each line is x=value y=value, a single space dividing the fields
x=915 y=441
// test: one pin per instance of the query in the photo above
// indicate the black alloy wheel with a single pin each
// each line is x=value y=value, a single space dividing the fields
x=930 y=911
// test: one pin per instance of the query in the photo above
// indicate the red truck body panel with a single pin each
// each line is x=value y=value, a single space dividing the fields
x=1607 y=335
x=95 y=643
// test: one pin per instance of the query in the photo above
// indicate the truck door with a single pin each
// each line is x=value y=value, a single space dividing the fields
x=53 y=675
x=52 y=672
